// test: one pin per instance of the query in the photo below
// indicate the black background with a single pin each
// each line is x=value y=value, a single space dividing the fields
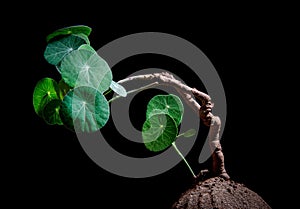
x=52 y=168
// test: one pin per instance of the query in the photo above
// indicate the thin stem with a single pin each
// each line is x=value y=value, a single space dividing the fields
x=180 y=154
x=135 y=90
x=180 y=135
x=107 y=92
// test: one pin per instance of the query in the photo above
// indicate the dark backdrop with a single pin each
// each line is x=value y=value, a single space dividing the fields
x=54 y=169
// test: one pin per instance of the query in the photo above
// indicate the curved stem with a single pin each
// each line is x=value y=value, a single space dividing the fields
x=107 y=92
x=180 y=154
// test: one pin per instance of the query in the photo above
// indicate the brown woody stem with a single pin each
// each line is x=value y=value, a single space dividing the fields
x=204 y=110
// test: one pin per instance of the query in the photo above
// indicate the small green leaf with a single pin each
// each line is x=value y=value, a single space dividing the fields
x=159 y=132
x=85 y=68
x=57 y=50
x=45 y=90
x=189 y=133
x=84 y=109
x=169 y=104
x=76 y=29
x=51 y=112
x=119 y=89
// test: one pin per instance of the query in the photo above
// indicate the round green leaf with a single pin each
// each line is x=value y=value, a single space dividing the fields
x=51 y=112
x=76 y=29
x=159 y=132
x=57 y=50
x=85 y=68
x=119 y=89
x=169 y=104
x=45 y=90
x=84 y=109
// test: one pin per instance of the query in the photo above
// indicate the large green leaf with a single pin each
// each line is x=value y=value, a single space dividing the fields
x=159 y=132
x=75 y=29
x=45 y=90
x=51 y=112
x=168 y=104
x=84 y=109
x=85 y=68
x=57 y=50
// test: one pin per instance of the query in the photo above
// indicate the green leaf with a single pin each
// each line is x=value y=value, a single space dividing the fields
x=84 y=109
x=76 y=29
x=159 y=132
x=168 y=104
x=57 y=50
x=84 y=37
x=45 y=90
x=189 y=133
x=119 y=89
x=85 y=68
x=51 y=112
x=63 y=88
x=87 y=47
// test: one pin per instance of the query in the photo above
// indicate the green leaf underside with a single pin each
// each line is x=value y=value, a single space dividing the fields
x=168 y=104
x=119 y=89
x=76 y=29
x=159 y=132
x=45 y=90
x=57 y=50
x=84 y=109
x=85 y=68
x=51 y=112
